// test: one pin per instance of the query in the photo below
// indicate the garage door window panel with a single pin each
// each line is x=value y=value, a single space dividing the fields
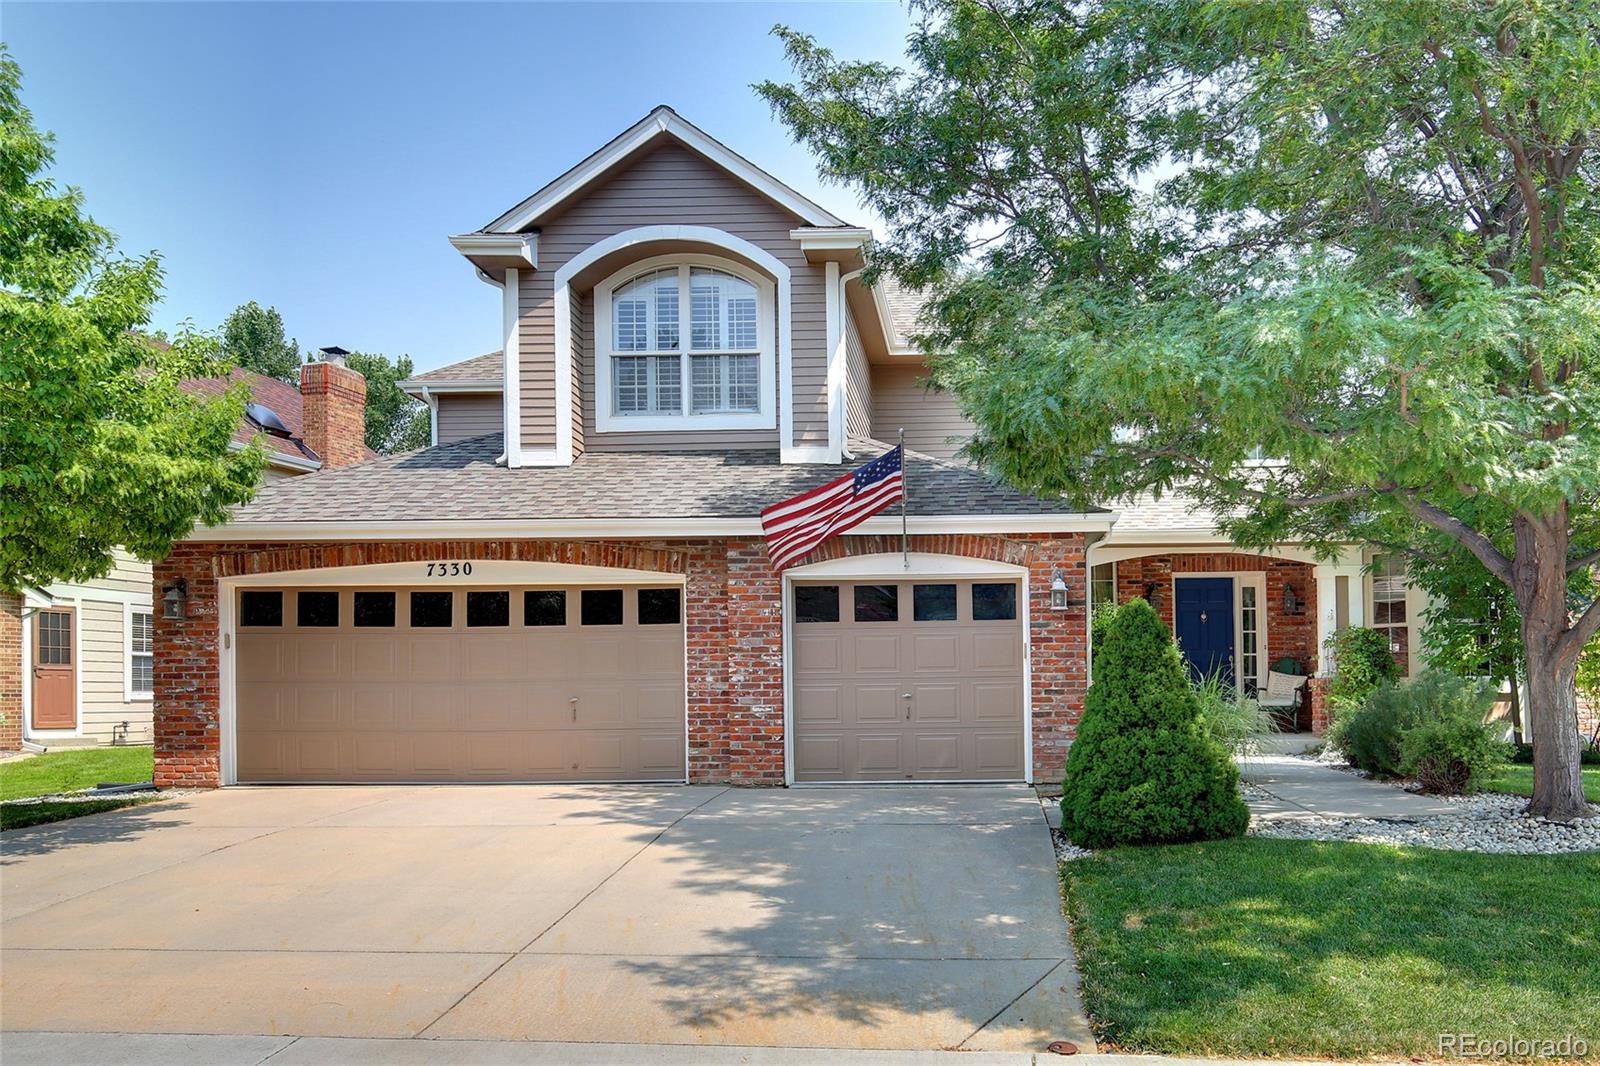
x=488 y=609
x=933 y=603
x=317 y=610
x=994 y=603
x=816 y=603
x=601 y=607
x=432 y=610
x=374 y=610
x=660 y=607
x=261 y=609
x=544 y=607
x=877 y=603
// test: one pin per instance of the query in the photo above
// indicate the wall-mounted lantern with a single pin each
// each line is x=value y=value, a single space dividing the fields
x=1060 y=597
x=173 y=599
x=1150 y=590
x=1292 y=604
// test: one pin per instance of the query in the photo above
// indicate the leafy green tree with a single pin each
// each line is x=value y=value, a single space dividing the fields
x=252 y=337
x=1142 y=769
x=395 y=422
x=1362 y=237
x=101 y=446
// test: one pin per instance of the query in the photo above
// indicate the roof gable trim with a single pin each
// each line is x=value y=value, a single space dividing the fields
x=663 y=121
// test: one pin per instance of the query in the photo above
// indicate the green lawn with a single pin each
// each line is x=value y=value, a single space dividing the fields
x=70 y=771
x=1517 y=779
x=1299 y=948
x=19 y=815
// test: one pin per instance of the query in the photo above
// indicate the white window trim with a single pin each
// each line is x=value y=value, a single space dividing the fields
x=129 y=695
x=606 y=420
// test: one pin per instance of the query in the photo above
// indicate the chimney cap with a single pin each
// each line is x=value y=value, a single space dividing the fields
x=333 y=354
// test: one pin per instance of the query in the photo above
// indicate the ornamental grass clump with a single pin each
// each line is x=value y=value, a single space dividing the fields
x=1142 y=769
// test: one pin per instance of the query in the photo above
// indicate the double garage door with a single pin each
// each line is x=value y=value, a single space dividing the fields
x=459 y=684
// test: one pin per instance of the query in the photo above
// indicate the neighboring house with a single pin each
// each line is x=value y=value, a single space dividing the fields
x=571 y=584
x=83 y=652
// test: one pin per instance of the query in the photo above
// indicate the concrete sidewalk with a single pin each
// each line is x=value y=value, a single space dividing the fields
x=120 y=1049
x=1301 y=788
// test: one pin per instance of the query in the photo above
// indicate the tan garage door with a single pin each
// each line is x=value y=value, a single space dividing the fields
x=908 y=681
x=460 y=684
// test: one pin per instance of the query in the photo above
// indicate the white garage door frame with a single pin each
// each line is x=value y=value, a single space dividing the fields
x=891 y=566
x=382 y=575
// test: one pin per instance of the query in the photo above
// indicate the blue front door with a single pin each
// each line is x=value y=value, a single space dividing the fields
x=1203 y=622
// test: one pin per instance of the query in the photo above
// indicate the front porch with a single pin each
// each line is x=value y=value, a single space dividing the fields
x=1241 y=614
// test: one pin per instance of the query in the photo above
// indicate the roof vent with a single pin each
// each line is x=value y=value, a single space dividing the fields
x=267 y=419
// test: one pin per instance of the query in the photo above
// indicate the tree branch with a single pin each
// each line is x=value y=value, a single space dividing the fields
x=1478 y=544
x=1582 y=561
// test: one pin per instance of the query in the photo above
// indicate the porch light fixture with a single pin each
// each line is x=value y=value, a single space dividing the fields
x=1059 y=600
x=1291 y=600
x=173 y=599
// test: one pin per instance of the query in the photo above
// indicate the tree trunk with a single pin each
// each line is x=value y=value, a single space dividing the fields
x=1551 y=647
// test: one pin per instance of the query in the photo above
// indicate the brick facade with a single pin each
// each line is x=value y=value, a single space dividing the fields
x=1289 y=635
x=734 y=630
x=334 y=412
x=11 y=671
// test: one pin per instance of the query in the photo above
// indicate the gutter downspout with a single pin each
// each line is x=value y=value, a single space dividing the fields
x=433 y=416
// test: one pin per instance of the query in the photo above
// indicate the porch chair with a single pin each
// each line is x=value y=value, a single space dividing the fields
x=1284 y=694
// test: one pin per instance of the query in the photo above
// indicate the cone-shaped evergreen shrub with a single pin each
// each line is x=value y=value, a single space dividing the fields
x=1142 y=770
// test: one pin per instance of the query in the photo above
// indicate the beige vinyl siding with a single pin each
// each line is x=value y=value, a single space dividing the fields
x=128 y=574
x=667 y=185
x=902 y=399
x=858 y=381
x=278 y=473
x=101 y=677
x=466 y=415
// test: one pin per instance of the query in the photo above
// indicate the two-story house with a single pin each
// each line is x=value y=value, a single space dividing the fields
x=572 y=585
x=82 y=652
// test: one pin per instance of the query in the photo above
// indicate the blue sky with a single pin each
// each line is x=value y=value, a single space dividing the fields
x=316 y=156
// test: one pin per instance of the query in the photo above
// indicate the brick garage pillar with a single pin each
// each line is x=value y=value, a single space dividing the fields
x=753 y=728
x=1059 y=652
x=187 y=707
x=710 y=704
x=11 y=671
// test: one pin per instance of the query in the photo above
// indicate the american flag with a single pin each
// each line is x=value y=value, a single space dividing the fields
x=796 y=526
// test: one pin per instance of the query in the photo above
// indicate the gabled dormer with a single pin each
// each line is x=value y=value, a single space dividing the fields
x=667 y=294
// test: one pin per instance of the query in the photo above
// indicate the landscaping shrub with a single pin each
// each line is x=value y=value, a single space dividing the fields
x=1451 y=755
x=1588 y=755
x=1233 y=721
x=1441 y=709
x=1361 y=662
x=1142 y=769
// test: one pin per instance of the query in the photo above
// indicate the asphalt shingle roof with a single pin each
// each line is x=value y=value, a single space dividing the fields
x=489 y=366
x=460 y=482
x=905 y=306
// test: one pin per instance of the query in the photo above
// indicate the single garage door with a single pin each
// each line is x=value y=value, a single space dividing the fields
x=908 y=681
x=460 y=684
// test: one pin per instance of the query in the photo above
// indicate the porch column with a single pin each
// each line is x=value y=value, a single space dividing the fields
x=1330 y=607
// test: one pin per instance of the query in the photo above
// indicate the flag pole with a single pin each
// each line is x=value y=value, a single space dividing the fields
x=905 y=484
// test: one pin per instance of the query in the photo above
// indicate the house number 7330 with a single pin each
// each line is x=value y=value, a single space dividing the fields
x=449 y=569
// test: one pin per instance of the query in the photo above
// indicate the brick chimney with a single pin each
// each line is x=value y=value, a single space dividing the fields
x=334 y=401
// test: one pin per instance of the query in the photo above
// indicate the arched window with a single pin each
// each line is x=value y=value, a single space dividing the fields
x=713 y=370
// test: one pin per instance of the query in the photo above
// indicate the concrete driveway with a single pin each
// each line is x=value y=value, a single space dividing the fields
x=897 y=917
